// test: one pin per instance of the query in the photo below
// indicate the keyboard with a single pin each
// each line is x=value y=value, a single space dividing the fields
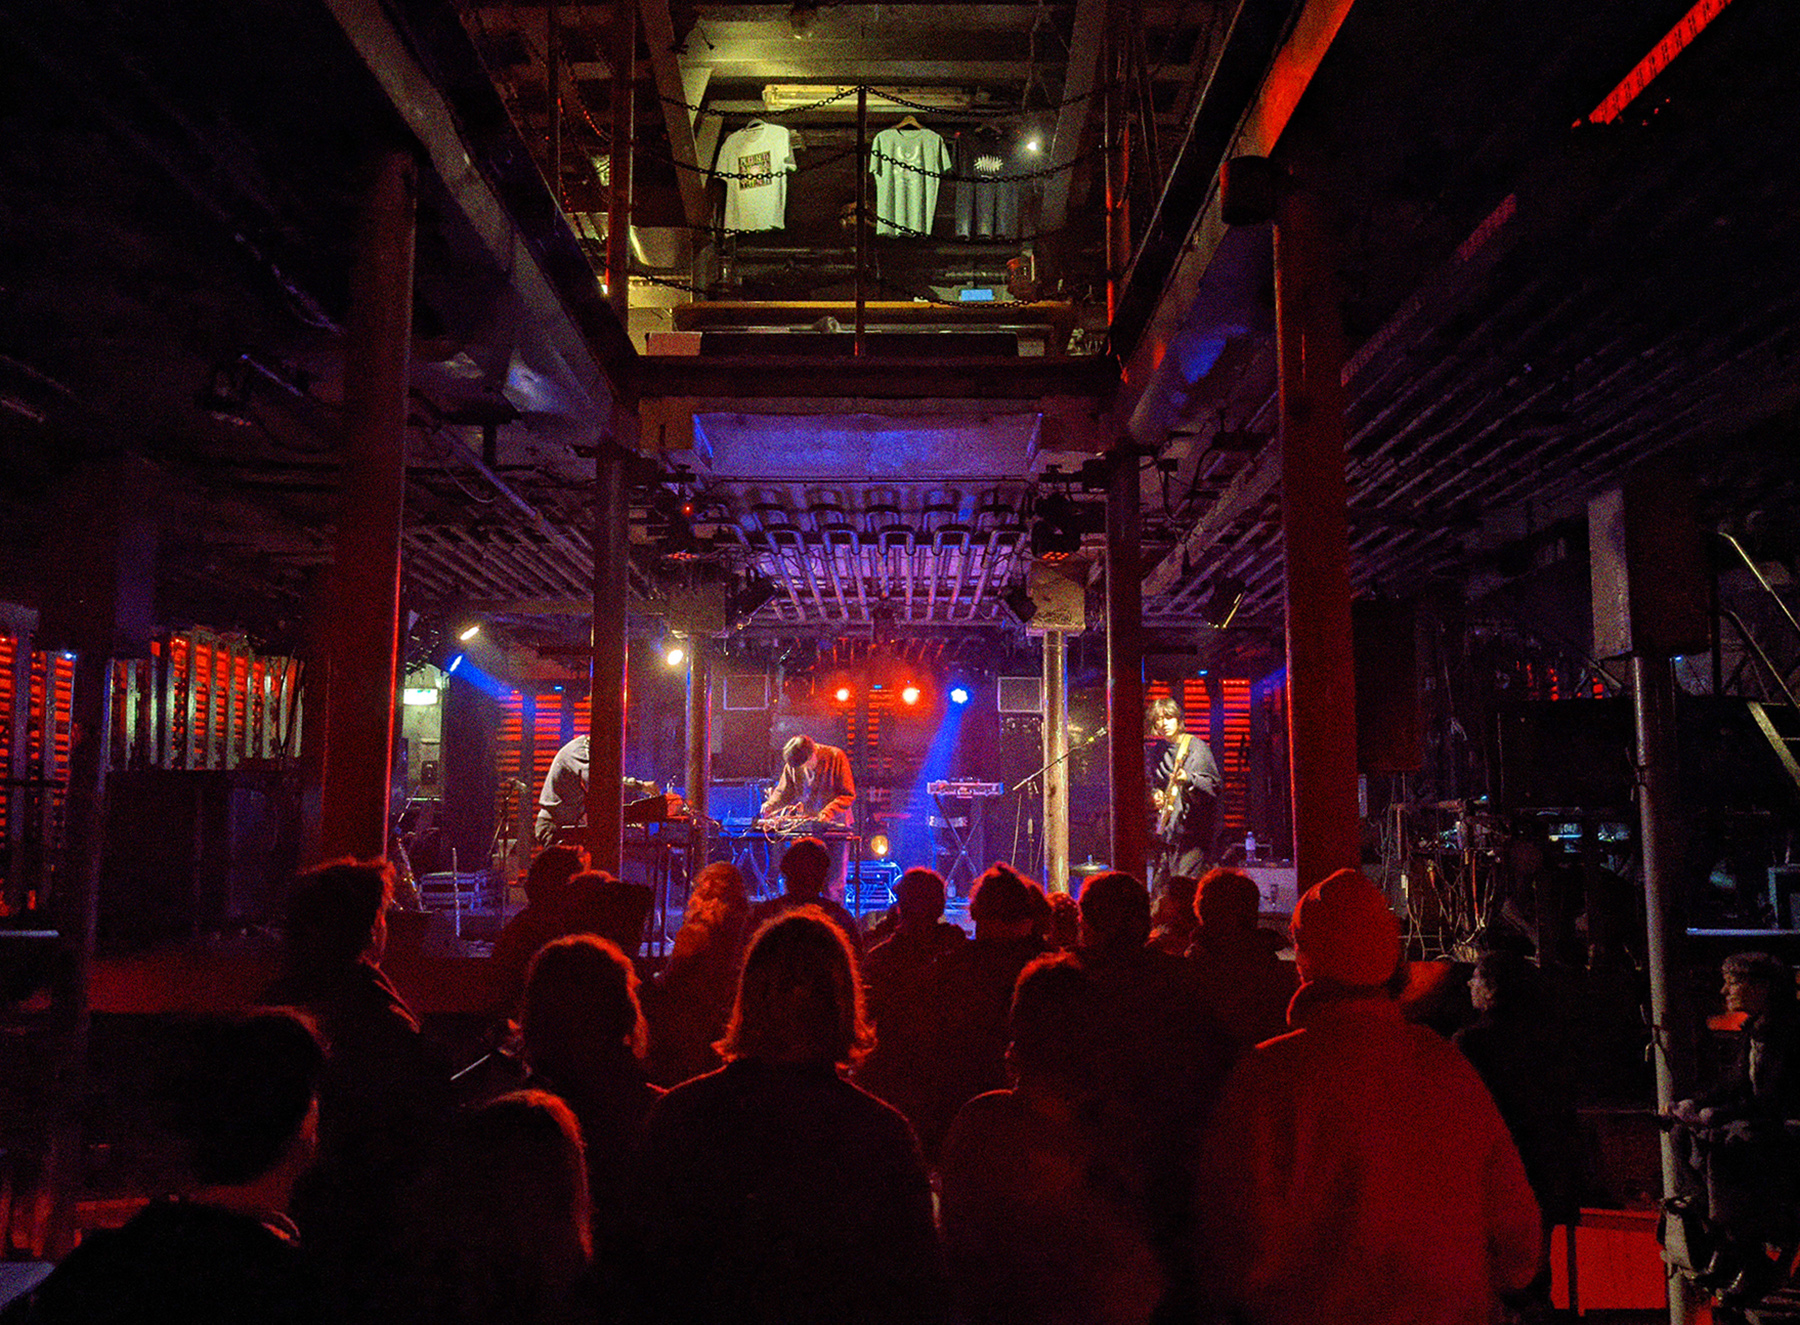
x=965 y=788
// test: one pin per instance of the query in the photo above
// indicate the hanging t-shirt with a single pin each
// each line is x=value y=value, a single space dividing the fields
x=907 y=161
x=756 y=161
x=987 y=204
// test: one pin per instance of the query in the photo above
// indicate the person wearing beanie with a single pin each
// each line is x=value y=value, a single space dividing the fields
x=1356 y=1168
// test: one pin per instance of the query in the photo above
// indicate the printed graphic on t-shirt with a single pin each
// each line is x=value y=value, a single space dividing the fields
x=755 y=170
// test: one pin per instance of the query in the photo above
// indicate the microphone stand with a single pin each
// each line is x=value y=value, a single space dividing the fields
x=1035 y=774
x=1044 y=768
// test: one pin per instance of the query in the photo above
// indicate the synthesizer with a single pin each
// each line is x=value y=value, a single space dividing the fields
x=964 y=788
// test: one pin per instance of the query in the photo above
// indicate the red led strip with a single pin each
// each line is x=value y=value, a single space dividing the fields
x=1678 y=39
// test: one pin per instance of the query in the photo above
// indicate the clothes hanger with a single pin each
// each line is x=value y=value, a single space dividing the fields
x=909 y=123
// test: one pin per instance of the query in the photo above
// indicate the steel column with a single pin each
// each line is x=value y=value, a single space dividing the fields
x=1056 y=761
x=1653 y=709
x=553 y=86
x=1124 y=665
x=857 y=345
x=364 y=622
x=606 y=708
x=1315 y=527
x=699 y=747
x=624 y=126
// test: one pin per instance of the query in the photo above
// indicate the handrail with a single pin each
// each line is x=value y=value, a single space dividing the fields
x=1757 y=649
x=1766 y=586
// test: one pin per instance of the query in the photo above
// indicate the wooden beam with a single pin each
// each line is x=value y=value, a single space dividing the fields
x=1078 y=103
x=672 y=87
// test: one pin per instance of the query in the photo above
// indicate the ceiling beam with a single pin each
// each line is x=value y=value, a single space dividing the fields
x=1078 y=102
x=1248 y=488
x=673 y=90
x=766 y=377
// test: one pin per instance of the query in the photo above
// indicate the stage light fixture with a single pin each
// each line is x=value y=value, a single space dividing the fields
x=959 y=694
x=842 y=694
x=469 y=632
x=910 y=695
x=879 y=846
x=674 y=653
x=455 y=662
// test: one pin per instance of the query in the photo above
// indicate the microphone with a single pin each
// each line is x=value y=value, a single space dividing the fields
x=1097 y=735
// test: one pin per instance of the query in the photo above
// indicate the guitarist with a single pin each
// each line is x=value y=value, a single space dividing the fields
x=1184 y=788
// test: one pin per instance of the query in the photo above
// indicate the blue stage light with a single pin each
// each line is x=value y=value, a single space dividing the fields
x=959 y=695
x=455 y=662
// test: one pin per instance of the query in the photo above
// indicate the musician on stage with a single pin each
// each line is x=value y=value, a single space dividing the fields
x=562 y=801
x=1184 y=788
x=816 y=785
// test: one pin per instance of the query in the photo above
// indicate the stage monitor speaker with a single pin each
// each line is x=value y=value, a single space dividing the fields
x=1390 y=736
x=1564 y=754
x=1648 y=567
x=1021 y=694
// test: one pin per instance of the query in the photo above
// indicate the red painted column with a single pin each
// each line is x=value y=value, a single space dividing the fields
x=364 y=621
x=606 y=709
x=1125 y=666
x=1315 y=526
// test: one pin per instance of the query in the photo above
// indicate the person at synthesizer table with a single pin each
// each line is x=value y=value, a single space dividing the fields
x=816 y=785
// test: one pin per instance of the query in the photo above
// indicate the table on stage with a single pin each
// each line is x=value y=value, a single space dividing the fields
x=755 y=847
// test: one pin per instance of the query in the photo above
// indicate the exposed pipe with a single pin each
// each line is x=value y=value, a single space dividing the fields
x=1056 y=761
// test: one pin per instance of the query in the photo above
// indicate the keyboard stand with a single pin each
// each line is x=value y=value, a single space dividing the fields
x=960 y=837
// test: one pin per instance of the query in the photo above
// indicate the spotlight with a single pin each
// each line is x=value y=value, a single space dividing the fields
x=842 y=695
x=910 y=695
x=455 y=662
x=673 y=653
x=1056 y=533
x=1034 y=145
x=879 y=846
x=469 y=633
x=1223 y=602
x=959 y=694
x=750 y=595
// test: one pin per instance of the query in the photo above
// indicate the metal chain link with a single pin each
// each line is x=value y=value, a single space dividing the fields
x=841 y=93
x=955 y=178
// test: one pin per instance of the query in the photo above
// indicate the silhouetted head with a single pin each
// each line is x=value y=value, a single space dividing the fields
x=1758 y=983
x=1115 y=912
x=804 y=867
x=1504 y=984
x=337 y=912
x=1227 y=900
x=581 y=1002
x=1003 y=900
x=1056 y=1021
x=551 y=871
x=799 y=999
x=920 y=897
x=245 y=1095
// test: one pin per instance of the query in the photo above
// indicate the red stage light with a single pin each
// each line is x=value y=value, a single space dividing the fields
x=843 y=694
x=910 y=695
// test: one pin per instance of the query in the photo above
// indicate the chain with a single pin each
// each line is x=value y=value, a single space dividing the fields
x=888 y=97
x=759 y=176
x=953 y=177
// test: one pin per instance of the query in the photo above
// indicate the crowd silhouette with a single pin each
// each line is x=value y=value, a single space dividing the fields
x=1146 y=1117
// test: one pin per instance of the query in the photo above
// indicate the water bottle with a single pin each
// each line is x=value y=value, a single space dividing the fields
x=1249 y=846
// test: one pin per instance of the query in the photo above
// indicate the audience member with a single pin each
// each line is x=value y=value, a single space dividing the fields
x=545 y=917
x=498 y=1234
x=1172 y=915
x=1160 y=1056
x=772 y=1189
x=896 y=977
x=1043 y=1220
x=695 y=992
x=585 y=1041
x=971 y=989
x=385 y=1092
x=1516 y=1046
x=1736 y=1137
x=805 y=870
x=1242 y=980
x=1061 y=929
x=225 y=1251
x=1356 y=1169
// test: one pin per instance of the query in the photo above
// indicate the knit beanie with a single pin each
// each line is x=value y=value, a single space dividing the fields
x=1345 y=931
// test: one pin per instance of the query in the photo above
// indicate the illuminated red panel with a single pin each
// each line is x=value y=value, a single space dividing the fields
x=1677 y=40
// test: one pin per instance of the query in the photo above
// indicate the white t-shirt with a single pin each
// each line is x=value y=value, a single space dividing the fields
x=765 y=153
x=906 y=163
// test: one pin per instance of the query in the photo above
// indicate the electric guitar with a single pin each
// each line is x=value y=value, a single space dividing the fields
x=1170 y=801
